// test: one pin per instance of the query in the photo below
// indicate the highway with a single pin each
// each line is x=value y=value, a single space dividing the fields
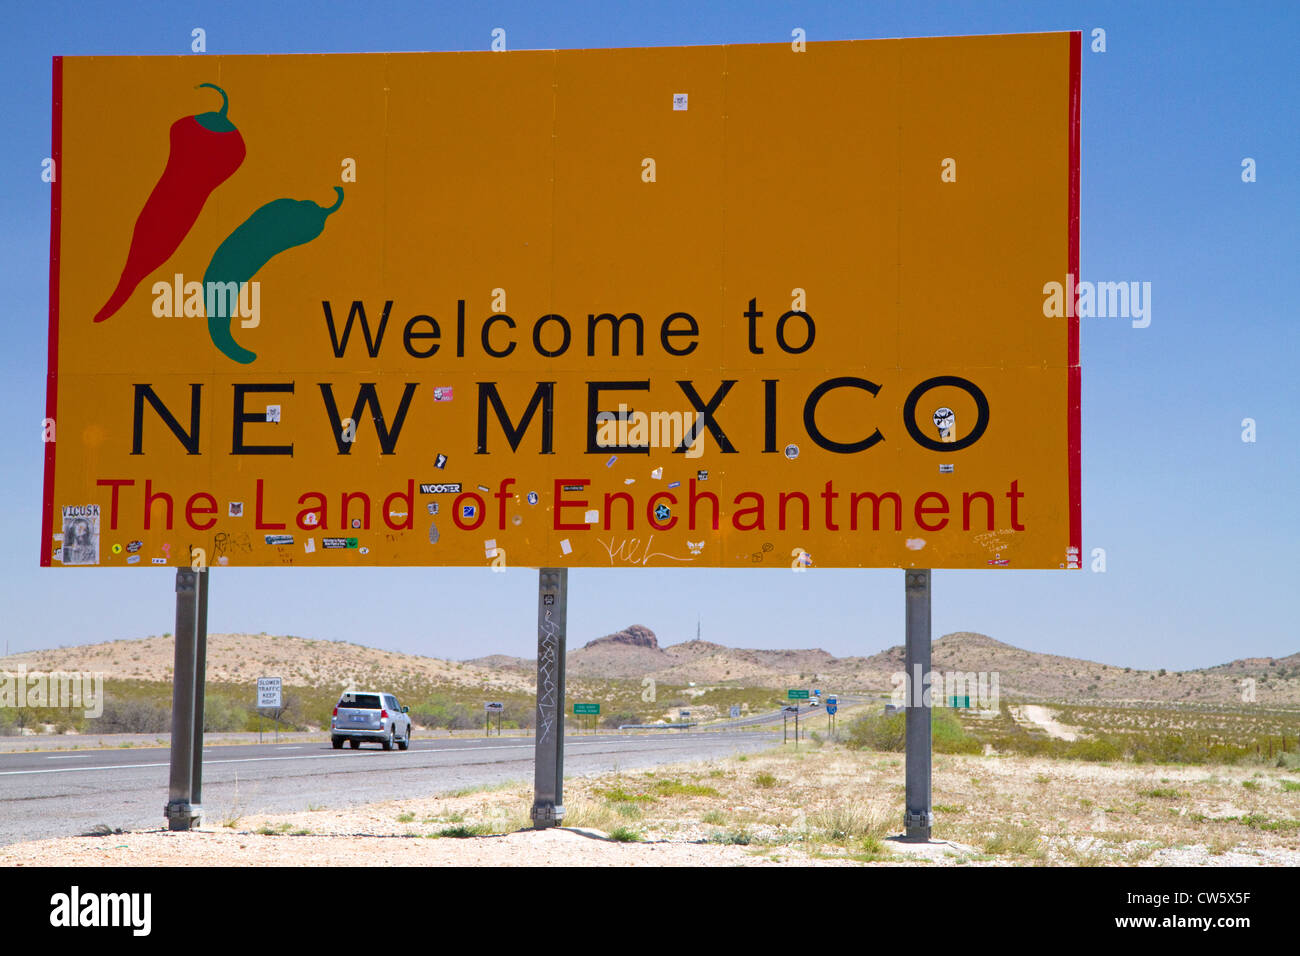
x=776 y=716
x=67 y=793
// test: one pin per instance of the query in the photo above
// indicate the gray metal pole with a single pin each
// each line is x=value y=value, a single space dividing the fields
x=200 y=686
x=179 y=809
x=548 y=767
x=918 y=816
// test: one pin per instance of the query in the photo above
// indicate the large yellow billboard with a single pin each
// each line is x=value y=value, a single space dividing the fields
x=763 y=306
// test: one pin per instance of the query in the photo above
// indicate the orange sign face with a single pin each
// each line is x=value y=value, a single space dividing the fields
x=751 y=306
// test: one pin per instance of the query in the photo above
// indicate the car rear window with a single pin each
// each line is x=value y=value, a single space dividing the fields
x=360 y=701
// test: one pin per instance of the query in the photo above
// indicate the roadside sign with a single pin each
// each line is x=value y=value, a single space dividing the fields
x=495 y=706
x=268 y=693
x=586 y=708
x=831 y=708
x=274 y=401
x=832 y=701
x=797 y=695
x=791 y=710
x=735 y=711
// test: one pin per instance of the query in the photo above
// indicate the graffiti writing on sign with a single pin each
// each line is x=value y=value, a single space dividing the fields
x=548 y=643
x=630 y=551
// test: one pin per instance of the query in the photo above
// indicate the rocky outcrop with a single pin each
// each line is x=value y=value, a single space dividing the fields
x=635 y=635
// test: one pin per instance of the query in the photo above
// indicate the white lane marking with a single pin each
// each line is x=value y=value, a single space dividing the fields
x=361 y=753
x=364 y=753
x=291 y=748
x=65 y=756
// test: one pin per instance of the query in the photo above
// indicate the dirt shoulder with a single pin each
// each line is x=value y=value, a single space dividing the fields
x=815 y=806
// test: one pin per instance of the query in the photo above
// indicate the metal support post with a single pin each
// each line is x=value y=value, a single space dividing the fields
x=200 y=685
x=918 y=815
x=548 y=768
x=180 y=809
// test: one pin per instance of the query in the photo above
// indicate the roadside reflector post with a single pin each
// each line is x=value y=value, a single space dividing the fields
x=180 y=809
x=918 y=815
x=548 y=766
x=203 y=579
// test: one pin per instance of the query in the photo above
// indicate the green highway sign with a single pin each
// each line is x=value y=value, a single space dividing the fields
x=586 y=708
x=797 y=695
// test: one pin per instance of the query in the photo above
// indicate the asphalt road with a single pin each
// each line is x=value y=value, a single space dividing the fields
x=64 y=794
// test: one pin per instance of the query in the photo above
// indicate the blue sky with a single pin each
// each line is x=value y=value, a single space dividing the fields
x=1199 y=528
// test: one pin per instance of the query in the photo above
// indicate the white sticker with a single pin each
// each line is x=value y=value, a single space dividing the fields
x=592 y=517
x=915 y=544
x=364 y=550
x=309 y=545
x=565 y=547
x=680 y=101
x=657 y=474
x=629 y=481
x=489 y=547
x=272 y=413
x=945 y=469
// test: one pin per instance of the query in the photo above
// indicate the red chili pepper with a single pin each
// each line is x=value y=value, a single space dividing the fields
x=205 y=151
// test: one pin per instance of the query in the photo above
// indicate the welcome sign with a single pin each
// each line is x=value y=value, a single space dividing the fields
x=761 y=306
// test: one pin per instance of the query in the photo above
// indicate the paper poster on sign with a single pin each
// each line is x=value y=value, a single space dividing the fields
x=80 y=535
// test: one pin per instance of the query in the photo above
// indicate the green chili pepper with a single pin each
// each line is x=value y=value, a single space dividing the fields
x=279 y=225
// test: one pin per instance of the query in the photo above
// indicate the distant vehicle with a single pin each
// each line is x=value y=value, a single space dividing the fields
x=370 y=716
x=814 y=702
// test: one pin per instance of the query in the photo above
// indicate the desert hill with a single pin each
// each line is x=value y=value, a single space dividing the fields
x=634 y=653
x=245 y=657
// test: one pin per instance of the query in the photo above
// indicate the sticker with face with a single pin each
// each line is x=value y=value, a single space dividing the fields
x=946 y=422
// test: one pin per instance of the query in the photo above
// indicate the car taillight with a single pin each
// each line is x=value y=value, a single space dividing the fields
x=336 y=711
x=383 y=715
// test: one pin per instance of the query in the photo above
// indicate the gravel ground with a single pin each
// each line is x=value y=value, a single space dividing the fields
x=816 y=806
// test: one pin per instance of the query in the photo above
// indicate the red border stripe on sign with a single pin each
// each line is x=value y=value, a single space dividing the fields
x=1075 y=383
x=52 y=377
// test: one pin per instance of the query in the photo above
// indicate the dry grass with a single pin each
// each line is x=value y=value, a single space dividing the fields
x=829 y=805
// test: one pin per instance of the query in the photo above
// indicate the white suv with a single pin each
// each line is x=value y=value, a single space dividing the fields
x=370 y=715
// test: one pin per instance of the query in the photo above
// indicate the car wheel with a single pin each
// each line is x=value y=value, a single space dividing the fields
x=388 y=744
x=337 y=742
x=355 y=743
x=405 y=742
